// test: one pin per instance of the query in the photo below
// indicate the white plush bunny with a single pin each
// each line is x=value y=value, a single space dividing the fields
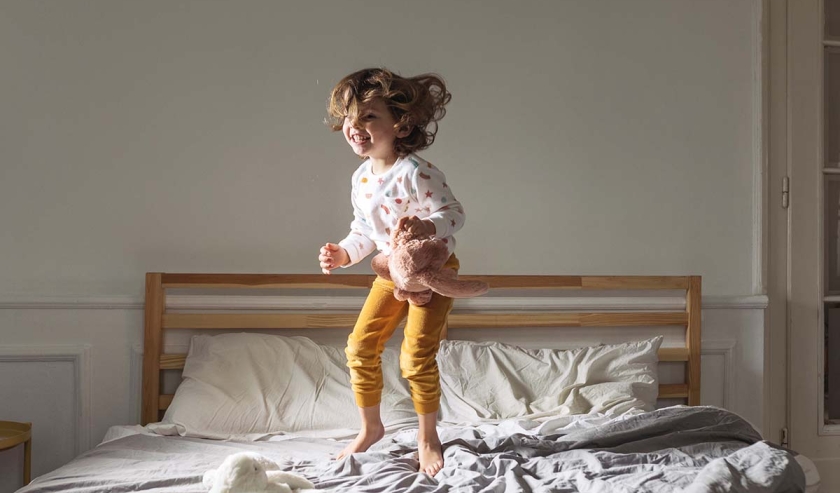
x=249 y=472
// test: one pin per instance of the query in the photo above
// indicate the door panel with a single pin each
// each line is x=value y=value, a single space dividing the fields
x=810 y=189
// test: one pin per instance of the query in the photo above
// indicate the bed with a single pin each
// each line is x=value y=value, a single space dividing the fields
x=591 y=419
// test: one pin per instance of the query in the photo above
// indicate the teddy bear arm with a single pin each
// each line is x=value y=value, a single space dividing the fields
x=451 y=287
x=438 y=252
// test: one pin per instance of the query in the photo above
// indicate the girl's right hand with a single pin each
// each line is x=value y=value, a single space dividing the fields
x=332 y=256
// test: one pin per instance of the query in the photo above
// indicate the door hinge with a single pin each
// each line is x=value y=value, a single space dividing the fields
x=785 y=192
x=784 y=441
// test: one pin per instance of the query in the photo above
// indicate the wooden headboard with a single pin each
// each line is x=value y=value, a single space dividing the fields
x=158 y=319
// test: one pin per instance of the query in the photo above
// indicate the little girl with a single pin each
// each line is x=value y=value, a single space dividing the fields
x=386 y=118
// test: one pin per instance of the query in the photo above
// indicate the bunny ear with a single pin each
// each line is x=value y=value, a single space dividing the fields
x=209 y=478
x=294 y=481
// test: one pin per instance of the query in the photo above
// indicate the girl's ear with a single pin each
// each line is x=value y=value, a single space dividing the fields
x=404 y=131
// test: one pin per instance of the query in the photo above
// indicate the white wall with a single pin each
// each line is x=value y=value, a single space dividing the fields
x=589 y=137
x=604 y=137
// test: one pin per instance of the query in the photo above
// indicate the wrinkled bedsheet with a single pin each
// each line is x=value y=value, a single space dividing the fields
x=686 y=449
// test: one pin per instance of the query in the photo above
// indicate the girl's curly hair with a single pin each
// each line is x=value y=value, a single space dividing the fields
x=416 y=103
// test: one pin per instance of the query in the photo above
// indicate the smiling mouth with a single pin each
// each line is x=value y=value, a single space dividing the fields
x=359 y=139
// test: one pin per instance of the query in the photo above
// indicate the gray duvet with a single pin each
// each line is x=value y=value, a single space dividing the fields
x=687 y=449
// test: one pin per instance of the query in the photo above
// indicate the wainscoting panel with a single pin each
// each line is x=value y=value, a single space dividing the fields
x=48 y=386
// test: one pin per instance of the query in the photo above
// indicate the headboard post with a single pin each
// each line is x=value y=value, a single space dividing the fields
x=152 y=347
x=692 y=341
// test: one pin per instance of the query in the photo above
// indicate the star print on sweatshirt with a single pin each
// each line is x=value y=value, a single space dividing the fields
x=411 y=187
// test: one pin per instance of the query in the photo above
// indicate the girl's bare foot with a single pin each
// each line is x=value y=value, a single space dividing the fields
x=431 y=456
x=428 y=444
x=368 y=436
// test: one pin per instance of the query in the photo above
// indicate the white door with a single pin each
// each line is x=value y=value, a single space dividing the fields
x=813 y=92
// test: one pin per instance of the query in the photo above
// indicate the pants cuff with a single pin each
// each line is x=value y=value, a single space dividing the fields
x=427 y=407
x=368 y=400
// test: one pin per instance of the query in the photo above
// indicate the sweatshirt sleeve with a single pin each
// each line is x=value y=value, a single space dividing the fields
x=435 y=196
x=358 y=243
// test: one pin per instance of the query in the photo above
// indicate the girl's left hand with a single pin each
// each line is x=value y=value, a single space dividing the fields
x=415 y=225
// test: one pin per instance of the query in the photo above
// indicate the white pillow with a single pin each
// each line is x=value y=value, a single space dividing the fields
x=249 y=385
x=487 y=381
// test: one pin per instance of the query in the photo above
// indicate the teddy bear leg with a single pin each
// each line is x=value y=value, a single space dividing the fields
x=420 y=298
x=379 y=264
x=401 y=294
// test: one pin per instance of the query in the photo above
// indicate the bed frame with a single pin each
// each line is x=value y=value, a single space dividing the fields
x=158 y=319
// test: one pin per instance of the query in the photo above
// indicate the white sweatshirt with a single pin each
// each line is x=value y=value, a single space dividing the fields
x=411 y=187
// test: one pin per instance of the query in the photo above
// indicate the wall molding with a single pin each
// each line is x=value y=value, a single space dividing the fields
x=93 y=302
x=327 y=303
x=79 y=355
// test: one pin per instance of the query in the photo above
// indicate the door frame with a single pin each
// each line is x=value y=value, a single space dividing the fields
x=777 y=322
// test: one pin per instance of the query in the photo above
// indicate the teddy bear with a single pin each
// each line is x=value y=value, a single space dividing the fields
x=249 y=472
x=415 y=266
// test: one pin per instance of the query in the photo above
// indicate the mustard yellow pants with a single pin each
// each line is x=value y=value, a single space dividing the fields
x=380 y=315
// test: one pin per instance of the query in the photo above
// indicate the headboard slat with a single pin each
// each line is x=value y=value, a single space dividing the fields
x=636 y=282
x=261 y=281
x=165 y=401
x=222 y=321
x=265 y=281
x=567 y=319
x=173 y=361
x=176 y=361
x=259 y=320
x=673 y=354
x=673 y=391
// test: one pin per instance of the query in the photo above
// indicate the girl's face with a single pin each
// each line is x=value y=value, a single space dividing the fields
x=372 y=133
